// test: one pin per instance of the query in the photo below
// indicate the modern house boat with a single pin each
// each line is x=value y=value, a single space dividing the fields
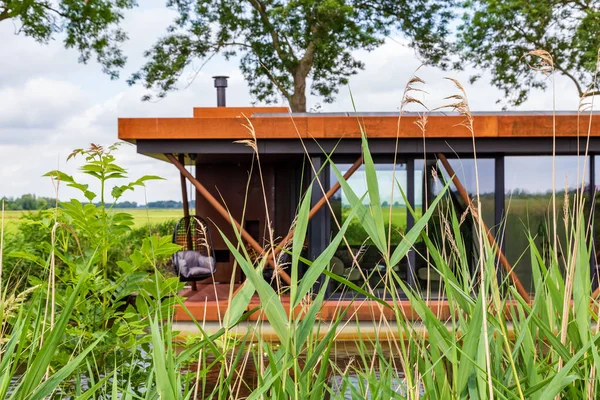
x=514 y=164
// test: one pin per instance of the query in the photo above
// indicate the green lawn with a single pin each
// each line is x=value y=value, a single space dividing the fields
x=141 y=216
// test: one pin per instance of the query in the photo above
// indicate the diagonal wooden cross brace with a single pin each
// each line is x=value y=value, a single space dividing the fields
x=465 y=196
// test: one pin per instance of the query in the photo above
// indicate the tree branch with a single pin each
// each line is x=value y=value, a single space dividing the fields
x=571 y=77
x=592 y=93
x=274 y=80
x=260 y=7
x=309 y=55
x=557 y=66
x=6 y=13
x=218 y=45
x=50 y=8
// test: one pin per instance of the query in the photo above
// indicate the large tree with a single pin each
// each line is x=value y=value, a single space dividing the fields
x=285 y=44
x=90 y=26
x=496 y=34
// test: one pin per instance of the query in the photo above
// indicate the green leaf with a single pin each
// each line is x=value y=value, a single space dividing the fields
x=80 y=186
x=61 y=176
x=356 y=288
x=49 y=385
x=582 y=288
x=564 y=377
x=362 y=213
x=165 y=381
x=411 y=237
x=350 y=284
x=322 y=261
x=37 y=369
x=89 y=195
x=239 y=304
x=470 y=346
x=93 y=167
x=323 y=344
x=298 y=241
x=27 y=256
x=145 y=178
x=118 y=191
x=269 y=299
x=115 y=175
x=308 y=320
x=373 y=190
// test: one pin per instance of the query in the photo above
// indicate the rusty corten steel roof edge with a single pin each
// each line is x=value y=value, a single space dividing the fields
x=377 y=125
x=417 y=114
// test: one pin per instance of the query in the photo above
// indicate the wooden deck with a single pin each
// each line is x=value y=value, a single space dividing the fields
x=209 y=303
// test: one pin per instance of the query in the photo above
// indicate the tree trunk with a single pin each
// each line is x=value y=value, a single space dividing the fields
x=298 y=98
x=298 y=101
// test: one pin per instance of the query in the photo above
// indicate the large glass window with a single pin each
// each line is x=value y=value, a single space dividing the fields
x=357 y=259
x=529 y=209
x=440 y=227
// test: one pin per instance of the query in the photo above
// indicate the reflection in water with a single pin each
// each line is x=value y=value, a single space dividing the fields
x=351 y=363
x=353 y=385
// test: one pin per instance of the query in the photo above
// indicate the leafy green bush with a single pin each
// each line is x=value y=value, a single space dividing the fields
x=134 y=239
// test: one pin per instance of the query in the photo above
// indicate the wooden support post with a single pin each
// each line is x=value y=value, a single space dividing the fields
x=465 y=196
x=186 y=212
x=223 y=212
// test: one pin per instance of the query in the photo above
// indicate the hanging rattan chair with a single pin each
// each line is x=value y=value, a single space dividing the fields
x=196 y=260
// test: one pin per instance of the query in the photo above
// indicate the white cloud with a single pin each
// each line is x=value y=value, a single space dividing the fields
x=39 y=104
x=23 y=58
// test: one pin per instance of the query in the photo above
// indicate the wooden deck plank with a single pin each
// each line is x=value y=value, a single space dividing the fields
x=210 y=303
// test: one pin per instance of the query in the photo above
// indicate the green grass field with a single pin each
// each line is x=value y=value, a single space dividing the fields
x=141 y=216
x=11 y=219
x=153 y=216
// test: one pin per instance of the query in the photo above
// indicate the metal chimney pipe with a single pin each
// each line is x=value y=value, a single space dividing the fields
x=221 y=85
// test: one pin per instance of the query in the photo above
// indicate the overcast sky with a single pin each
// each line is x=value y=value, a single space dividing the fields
x=51 y=104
